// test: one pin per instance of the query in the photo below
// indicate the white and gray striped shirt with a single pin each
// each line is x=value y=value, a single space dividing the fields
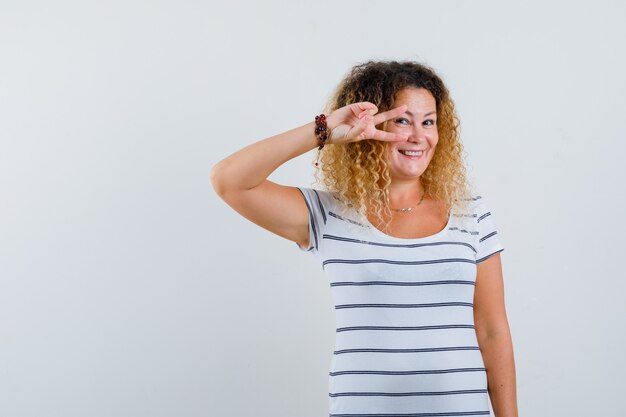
x=405 y=341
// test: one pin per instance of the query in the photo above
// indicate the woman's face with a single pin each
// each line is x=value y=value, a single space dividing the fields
x=419 y=123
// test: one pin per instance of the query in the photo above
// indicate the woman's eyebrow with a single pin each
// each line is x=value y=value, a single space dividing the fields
x=409 y=113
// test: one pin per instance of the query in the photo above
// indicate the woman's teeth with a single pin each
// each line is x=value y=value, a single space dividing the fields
x=411 y=153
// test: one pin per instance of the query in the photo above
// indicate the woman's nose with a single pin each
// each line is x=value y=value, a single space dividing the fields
x=417 y=136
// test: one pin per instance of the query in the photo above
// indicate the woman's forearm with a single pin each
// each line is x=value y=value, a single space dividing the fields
x=497 y=352
x=251 y=165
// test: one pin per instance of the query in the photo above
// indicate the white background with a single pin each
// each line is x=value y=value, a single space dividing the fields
x=128 y=288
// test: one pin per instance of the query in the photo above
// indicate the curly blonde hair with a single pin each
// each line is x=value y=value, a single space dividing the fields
x=357 y=173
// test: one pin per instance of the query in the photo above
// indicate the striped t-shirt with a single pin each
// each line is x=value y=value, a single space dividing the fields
x=405 y=342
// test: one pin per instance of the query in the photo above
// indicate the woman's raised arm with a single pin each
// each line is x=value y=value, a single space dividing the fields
x=241 y=181
x=241 y=178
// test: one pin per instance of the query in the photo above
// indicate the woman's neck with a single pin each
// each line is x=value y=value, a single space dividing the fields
x=405 y=194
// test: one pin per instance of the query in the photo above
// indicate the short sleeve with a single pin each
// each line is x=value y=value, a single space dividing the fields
x=317 y=202
x=488 y=241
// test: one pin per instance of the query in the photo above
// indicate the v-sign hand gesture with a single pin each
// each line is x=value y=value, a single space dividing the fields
x=358 y=121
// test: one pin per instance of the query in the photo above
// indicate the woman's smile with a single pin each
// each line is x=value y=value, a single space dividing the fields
x=412 y=154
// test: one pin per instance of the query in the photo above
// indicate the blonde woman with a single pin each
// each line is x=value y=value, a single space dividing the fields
x=411 y=253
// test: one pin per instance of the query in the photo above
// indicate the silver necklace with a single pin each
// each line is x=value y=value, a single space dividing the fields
x=410 y=208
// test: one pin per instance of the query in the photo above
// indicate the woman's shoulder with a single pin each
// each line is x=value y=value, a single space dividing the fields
x=470 y=208
x=473 y=200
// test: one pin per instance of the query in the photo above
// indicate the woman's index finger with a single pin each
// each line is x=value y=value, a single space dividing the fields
x=389 y=114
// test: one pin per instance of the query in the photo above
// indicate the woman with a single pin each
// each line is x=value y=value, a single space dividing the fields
x=412 y=255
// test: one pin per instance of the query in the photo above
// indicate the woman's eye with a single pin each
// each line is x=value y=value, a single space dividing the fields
x=432 y=122
x=401 y=119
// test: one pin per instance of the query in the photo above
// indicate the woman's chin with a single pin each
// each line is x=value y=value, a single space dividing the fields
x=406 y=175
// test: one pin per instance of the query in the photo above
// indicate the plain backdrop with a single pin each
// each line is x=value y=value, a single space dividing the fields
x=128 y=288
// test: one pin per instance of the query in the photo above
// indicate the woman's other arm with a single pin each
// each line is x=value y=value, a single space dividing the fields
x=494 y=336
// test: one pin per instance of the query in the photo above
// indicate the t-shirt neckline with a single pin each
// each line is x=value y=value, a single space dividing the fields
x=413 y=239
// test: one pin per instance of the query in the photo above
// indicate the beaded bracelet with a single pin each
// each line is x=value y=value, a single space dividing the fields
x=321 y=131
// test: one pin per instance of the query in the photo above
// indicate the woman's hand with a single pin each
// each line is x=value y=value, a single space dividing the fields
x=358 y=121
